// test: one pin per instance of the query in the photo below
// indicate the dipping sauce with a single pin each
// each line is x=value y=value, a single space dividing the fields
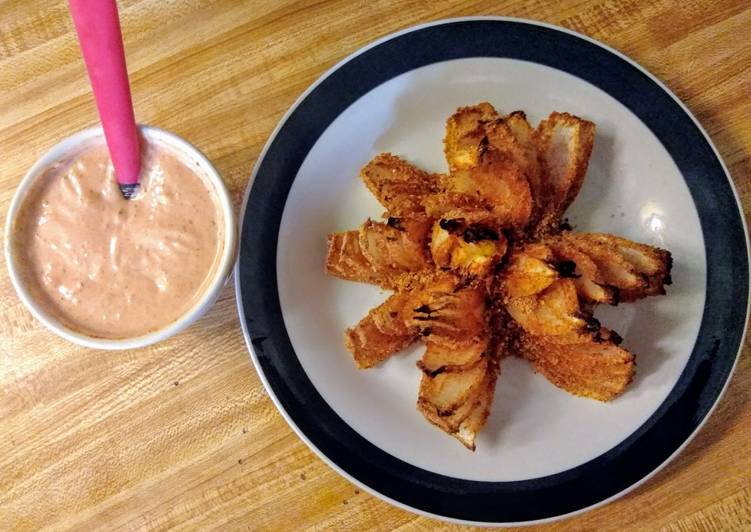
x=115 y=268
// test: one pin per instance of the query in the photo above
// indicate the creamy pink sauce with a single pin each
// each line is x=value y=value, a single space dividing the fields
x=116 y=268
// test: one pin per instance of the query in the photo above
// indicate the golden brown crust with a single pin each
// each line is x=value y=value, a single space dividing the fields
x=494 y=190
x=525 y=275
x=391 y=250
x=344 y=259
x=564 y=142
x=500 y=181
x=379 y=253
x=482 y=269
x=489 y=169
x=464 y=135
x=439 y=357
x=598 y=370
x=648 y=260
x=613 y=269
x=587 y=277
x=466 y=420
x=501 y=138
x=652 y=263
x=451 y=205
x=533 y=167
x=381 y=333
x=466 y=248
x=448 y=311
x=400 y=187
x=471 y=426
x=554 y=313
x=448 y=390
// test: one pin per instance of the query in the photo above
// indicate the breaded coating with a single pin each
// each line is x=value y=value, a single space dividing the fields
x=448 y=390
x=525 y=275
x=494 y=191
x=565 y=143
x=475 y=421
x=630 y=270
x=586 y=275
x=533 y=168
x=471 y=249
x=654 y=264
x=439 y=357
x=645 y=259
x=381 y=333
x=450 y=205
x=482 y=268
x=345 y=260
x=398 y=186
x=501 y=181
x=598 y=370
x=391 y=250
x=613 y=269
x=496 y=185
x=380 y=253
x=554 y=313
x=464 y=135
x=447 y=311
x=501 y=138
x=487 y=165
x=467 y=419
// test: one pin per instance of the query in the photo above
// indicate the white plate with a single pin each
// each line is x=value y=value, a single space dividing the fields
x=539 y=440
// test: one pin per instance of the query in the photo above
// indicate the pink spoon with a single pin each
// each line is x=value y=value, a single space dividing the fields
x=98 y=28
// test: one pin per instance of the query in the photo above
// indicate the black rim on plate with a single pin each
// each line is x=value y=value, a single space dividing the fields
x=700 y=383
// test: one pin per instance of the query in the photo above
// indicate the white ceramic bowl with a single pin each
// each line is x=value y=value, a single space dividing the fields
x=211 y=292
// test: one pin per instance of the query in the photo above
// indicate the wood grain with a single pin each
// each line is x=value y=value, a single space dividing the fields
x=182 y=435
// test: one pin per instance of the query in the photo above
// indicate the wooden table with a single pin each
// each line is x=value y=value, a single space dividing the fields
x=183 y=434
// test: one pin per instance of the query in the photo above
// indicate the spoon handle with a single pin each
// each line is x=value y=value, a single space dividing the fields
x=98 y=28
